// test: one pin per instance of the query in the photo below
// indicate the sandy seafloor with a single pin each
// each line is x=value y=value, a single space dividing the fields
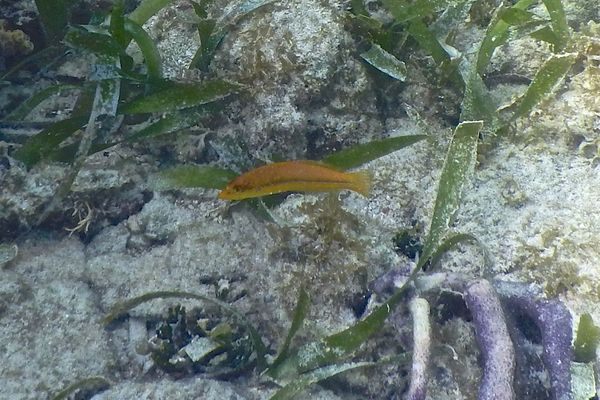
x=533 y=202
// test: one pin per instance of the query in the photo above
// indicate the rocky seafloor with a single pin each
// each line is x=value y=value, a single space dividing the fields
x=532 y=202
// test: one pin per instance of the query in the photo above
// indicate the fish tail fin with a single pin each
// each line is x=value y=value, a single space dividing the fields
x=361 y=182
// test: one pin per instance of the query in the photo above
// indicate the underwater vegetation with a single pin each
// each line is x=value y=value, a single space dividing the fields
x=123 y=102
x=586 y=342
x=217 y=341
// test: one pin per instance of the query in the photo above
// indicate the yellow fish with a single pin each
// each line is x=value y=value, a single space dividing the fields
x=294 y=176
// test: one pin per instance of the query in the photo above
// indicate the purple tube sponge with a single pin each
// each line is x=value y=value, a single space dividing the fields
x=556 y=326
x=542 y=352
x=555 y=323
x=494 y=341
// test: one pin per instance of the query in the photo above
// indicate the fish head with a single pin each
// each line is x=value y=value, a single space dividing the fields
x=234 y=190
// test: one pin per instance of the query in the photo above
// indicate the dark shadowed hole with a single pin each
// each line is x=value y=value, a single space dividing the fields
x=450 y=305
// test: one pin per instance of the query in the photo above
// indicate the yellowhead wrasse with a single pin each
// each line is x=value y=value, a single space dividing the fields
x=294 y=176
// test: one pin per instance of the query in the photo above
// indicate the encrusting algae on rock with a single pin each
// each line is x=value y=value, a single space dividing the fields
x=294 y=176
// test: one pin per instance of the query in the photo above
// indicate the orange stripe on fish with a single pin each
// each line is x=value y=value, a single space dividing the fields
x=294 y=176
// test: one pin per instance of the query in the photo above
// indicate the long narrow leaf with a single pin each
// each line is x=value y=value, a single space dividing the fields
x=306 y=380
x=357 y=7
x=586 y=341
x=44 y=143
x=117 y=24
x=55 y=15
x=108 y=94
x=146 y=9
x=546 y=34
x=171 y=123
x=85 y=101
x=66 y=154
x=385 y=62
x=477 y=102
x=546 y=80
x=200 y=9
x=245 y=8
x=206 y=27
x=95 y=383
x=515 y=16
x=403 y=11
x=44 y=57
x=28 y=105
x=338 y=346
x=428 y=41
x=355 y=156
x=191 y=176
x=105 y=101
x=452 y=240
x=167 y=124
x=496 y=35
x=299 y=316
x=94 y=42
x=212 y=33
x=210 y=39
x=559 y=23
x=460 y=160
x=147 y=47
x=455 y=14
x=178 y=96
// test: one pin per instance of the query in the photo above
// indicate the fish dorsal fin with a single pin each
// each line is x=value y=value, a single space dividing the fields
x=320 y=164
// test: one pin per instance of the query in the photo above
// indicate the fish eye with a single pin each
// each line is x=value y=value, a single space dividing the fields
x=239 y=188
